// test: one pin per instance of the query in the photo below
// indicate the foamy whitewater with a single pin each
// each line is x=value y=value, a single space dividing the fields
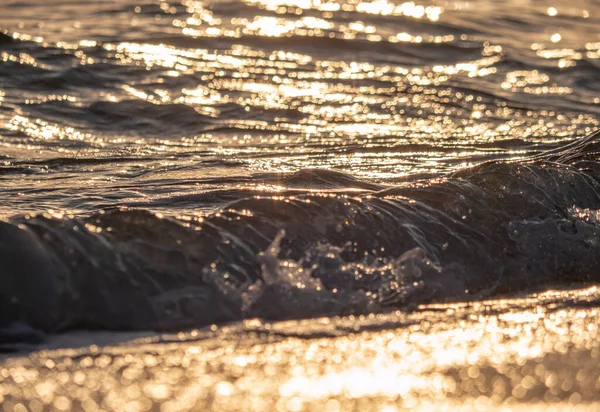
x=176 y=165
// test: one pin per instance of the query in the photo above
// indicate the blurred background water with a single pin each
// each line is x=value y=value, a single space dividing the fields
x=118 y=102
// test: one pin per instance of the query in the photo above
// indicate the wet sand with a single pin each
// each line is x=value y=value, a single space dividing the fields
x=539 y=352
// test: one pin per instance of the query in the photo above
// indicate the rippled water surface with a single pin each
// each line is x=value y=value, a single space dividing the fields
x=199 y=162
x=120 y=102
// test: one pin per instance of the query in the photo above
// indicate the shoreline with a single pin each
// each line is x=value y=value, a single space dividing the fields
x=531 y=352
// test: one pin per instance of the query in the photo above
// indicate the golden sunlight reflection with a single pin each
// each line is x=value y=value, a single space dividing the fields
x=408 y=9
x=533 y=82
x=381 y=7
x=441 y=357
x=271 y=26
x=152 y=55
x=164 y=112
x=21 y=58
x=42 y=130
x=203 y=23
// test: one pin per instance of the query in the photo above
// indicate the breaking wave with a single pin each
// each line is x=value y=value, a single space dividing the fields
x=350 y=247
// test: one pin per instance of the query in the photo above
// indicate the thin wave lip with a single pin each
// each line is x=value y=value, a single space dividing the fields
x=495 y=229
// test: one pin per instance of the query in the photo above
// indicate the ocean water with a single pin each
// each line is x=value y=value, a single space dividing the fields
x=166 y=165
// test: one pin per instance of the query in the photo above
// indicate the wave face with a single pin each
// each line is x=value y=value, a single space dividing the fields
x=170 y=165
